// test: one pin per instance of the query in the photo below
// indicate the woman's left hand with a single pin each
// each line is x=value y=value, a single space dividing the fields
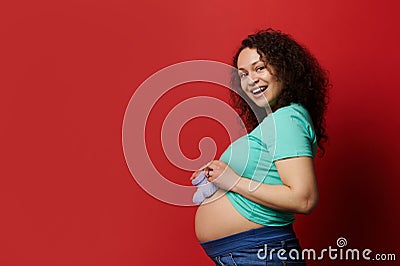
x=221 y=175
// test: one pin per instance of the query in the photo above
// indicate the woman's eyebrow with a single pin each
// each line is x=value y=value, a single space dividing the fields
x=252 y=64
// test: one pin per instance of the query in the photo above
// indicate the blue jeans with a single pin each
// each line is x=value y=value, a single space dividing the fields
x=269 y=245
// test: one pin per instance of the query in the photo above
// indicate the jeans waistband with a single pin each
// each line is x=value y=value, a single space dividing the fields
x=253 y=237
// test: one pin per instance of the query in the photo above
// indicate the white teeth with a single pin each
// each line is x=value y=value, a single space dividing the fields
x=256 y=91
x=259 y=90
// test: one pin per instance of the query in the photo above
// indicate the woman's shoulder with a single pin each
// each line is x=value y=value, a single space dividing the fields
x=287 y=117
x=293 y=111
x=292 y=108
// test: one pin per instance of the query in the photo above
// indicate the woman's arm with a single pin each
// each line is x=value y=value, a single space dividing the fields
x=298 y=194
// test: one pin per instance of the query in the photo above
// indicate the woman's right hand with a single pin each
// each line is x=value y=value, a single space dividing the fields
x=197 y=172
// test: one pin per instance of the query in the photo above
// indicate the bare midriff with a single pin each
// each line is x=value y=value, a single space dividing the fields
x=216 y=218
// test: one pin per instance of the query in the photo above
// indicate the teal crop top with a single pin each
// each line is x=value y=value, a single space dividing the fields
x=286 y=133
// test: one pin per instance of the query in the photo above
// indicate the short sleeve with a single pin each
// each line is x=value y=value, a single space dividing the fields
x=293 y=136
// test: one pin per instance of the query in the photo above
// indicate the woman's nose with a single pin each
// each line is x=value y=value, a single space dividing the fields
x=253 y=79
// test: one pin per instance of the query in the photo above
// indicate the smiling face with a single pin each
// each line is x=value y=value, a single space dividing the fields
x=259 y=84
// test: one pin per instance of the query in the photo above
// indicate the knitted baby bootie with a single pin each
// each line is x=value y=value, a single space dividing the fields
x=204 y=190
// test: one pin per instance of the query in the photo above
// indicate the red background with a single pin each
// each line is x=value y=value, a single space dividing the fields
x=68 y=70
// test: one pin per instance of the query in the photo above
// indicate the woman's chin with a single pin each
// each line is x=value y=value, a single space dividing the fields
x=263 y=103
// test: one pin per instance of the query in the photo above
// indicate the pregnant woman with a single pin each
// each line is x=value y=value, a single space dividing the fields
x=267 y=175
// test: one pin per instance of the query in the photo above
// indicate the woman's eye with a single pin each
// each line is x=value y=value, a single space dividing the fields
x=260 y=68
x=242 y=75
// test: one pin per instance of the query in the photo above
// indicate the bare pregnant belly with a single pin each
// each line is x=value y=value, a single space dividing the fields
x=217 y=218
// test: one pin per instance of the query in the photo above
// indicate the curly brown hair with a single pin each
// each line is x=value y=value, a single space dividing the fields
x=304 y=80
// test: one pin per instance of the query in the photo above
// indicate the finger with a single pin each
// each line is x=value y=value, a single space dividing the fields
x=219 y=164
x=210 y=172
x=207 y=172
x=212 y=165
x=213 y=177
x=195 y=174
